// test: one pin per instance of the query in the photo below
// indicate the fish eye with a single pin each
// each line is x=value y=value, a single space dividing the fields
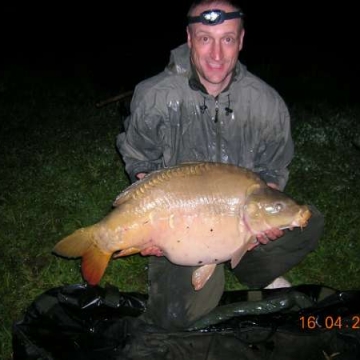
x=274 y=208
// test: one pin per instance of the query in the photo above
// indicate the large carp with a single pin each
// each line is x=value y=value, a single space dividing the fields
x=197 y=214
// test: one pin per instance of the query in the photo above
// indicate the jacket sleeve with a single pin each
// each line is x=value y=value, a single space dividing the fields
x=140 y=145
x=276 y=148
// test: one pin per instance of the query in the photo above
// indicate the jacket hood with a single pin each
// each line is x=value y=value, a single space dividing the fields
x=180 y=61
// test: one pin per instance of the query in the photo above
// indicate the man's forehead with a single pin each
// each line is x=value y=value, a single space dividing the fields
x=226 y=29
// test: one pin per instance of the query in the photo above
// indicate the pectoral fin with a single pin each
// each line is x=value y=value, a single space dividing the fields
x=202 y=275
x=238 y=254
x=252 y=243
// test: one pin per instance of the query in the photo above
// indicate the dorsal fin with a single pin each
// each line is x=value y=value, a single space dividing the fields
x=155 y=178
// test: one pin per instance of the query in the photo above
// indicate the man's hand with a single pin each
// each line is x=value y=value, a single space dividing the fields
x=141 y=175
x=152 y=250
x=273 y=186
x=265 y=237
x=270 y=234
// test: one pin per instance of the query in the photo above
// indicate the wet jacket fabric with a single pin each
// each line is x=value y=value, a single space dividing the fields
x=173 y=120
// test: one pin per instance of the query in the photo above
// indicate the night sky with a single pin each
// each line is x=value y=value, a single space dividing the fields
x=117 y=40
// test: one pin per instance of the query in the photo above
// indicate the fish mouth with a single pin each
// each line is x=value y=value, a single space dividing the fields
x=302 y=217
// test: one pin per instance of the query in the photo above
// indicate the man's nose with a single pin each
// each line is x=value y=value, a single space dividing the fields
x=216 y=51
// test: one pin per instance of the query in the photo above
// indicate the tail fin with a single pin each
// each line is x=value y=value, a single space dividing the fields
x=81 y=244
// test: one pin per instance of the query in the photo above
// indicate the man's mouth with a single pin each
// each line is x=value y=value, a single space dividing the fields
x=215 y=65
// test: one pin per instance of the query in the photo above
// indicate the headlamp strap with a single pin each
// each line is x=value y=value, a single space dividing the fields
x=214 y=17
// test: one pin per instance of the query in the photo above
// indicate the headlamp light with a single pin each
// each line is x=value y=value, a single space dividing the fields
x=215 y=17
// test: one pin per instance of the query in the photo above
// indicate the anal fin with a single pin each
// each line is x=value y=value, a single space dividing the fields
x=125 y=252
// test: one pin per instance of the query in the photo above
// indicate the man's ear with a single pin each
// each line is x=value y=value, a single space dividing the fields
x=188 y=32
x=241 y=43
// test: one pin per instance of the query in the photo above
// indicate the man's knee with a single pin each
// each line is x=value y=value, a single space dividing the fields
x=173 y=303
x=315 y=228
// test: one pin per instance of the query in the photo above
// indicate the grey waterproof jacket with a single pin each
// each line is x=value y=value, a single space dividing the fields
x=174 y=120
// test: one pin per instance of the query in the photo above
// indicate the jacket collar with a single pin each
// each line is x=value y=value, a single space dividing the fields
x=195 y=84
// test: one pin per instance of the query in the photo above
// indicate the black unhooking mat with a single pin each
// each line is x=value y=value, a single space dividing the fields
x=83 y=322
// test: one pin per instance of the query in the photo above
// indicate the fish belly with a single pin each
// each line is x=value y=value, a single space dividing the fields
x=193 y=240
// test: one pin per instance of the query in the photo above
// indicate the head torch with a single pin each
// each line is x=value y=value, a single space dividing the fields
x=214 y=17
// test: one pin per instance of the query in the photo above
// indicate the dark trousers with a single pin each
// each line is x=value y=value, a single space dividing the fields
x=174 y=304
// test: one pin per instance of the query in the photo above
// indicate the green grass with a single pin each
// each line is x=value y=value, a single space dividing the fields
x=60 y=171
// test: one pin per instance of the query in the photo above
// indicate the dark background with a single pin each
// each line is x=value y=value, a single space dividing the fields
x=121 y=44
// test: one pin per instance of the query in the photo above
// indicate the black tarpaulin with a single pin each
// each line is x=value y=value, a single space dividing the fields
x=84 y=322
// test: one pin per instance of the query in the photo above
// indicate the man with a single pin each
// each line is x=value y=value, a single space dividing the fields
x=206 y=106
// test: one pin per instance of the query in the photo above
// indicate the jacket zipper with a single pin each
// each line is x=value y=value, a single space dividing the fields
x=216 y=119
x=218 y=132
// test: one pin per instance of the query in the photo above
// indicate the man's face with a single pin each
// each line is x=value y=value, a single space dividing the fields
x=215 y=49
